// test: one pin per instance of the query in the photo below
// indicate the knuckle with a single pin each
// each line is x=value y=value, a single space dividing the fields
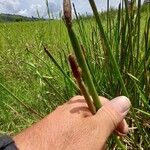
x=76 y=98
x=60 y=108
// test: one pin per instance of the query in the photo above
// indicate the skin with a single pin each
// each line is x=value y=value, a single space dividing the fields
x=72 y=126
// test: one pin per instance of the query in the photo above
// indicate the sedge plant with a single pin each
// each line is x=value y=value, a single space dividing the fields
x=83 y=65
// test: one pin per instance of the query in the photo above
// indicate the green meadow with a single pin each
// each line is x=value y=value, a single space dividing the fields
x=32 y=83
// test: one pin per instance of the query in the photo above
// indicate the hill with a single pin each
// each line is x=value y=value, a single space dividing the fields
x=16 y=18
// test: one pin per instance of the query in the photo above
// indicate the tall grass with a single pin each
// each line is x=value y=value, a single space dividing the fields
x=122 y=56
x=116 y=47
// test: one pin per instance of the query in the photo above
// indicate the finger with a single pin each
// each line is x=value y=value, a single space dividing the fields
x=112 y=114
x=103 y=100
x=122 y=128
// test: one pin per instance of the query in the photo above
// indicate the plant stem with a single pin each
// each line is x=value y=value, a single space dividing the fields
x=82 y=63
x=76 y=70
x=79 y=55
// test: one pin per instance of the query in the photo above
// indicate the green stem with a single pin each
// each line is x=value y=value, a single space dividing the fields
x=77 y=73
x=119 y=143
x=83 y=65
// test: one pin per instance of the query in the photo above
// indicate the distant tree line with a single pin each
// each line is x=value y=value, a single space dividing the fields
x=17 y=18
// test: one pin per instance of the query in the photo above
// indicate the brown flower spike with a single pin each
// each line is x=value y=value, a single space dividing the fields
x=77 y=73
x=67 y=13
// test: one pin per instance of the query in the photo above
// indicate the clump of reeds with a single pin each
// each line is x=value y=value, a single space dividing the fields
x=83 y=67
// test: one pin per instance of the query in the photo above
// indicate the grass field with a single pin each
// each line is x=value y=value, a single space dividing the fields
x=23 y=62
x=32 y=84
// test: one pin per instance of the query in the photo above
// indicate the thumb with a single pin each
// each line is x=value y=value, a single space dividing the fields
x=112 y=114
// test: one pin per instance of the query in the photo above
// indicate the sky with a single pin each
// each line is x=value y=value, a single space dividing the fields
x=29 y=7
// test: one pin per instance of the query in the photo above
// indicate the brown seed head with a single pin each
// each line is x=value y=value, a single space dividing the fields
x=76 y=70
x=67 y=13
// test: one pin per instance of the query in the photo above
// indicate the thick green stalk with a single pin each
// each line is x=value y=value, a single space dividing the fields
x=86 y=96
x=82 y=63
x=77 y=73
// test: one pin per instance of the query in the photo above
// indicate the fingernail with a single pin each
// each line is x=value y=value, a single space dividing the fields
x=121 y=104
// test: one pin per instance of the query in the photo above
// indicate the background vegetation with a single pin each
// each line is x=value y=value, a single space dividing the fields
x=17 y=18
x=32 y=84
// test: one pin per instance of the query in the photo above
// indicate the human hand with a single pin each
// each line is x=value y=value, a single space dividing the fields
x=72 y=126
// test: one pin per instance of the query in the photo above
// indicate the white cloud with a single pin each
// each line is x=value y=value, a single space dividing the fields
x=34 y=8
x=32 y=11
x=54 y=7
x=30 y=7
x=10 y=6
x=23 y=12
